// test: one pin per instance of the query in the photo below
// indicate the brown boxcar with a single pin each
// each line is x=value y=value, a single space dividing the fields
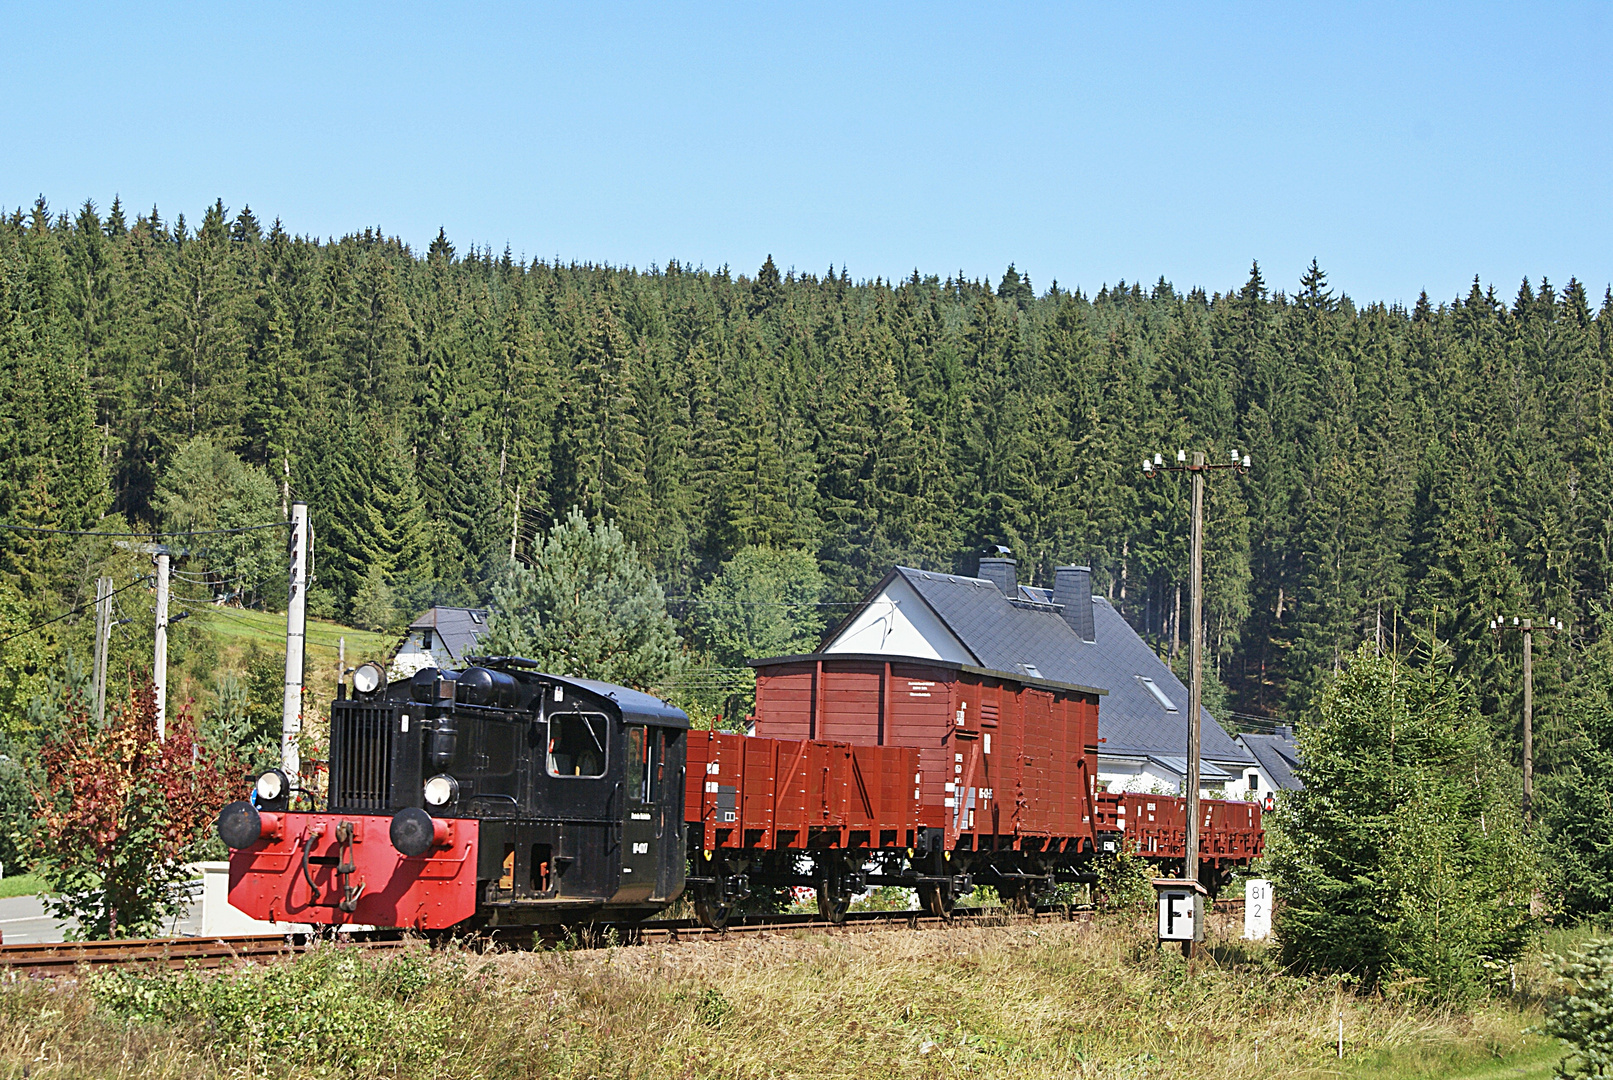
x=1005 y=785
x=1006 y=764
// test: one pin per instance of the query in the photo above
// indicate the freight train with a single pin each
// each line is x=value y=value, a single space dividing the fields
x=502 y=796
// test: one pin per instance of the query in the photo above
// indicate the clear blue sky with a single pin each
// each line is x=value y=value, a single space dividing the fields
x=1403 y=147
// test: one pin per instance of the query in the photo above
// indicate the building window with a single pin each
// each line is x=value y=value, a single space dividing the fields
x=1159 y=695
x=577 y=744
x=1254 y=781
x=425 y=640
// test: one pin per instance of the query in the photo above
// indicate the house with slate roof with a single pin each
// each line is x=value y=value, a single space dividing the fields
x=1277 y=763
x=440 y=637
x=1063 y=635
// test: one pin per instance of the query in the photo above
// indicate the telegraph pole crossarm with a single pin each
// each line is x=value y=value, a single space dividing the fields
x=1197 y=468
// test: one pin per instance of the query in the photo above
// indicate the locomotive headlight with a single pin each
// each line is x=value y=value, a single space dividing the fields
x=368 y=678
x=271 y=785
x=441 y=790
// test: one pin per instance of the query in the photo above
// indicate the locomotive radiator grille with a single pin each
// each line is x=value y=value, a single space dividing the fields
x=361 y=758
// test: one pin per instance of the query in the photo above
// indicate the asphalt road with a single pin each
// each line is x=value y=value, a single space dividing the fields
x=23 y=921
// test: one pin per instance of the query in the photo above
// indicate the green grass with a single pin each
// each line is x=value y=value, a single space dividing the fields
x=21 y=885
x=237 y=632
x=1535 y=1059
x=239 y=627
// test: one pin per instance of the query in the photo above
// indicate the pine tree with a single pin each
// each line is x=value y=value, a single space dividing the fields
x=588 y=606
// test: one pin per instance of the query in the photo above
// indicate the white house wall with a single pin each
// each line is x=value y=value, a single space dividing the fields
x=897 y=622
x=1147 y=777
x=412 y=656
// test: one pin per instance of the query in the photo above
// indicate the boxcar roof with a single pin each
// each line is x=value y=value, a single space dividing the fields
x=926 y=661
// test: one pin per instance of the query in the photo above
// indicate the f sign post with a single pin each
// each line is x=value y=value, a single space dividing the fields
x=1181 y=910
x=296 y=634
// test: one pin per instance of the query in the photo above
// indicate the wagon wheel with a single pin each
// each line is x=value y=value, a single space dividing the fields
x=937 y=901
x=711 y=914
x=832 y=904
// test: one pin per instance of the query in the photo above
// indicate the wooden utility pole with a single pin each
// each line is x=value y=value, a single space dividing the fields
x=1195 y=635
x=296 y=638
x=103 y=638
x=159 y=660
x=1528 y=718
x=515 y=524
x=1195 y=658
x=1526 y=624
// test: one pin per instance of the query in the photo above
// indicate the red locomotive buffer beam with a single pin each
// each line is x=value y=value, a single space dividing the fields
x=782 y=794
x=341 y=869
x=1155 y=826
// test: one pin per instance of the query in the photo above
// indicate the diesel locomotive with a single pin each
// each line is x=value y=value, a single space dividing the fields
x=502 y=796
x=492 y=796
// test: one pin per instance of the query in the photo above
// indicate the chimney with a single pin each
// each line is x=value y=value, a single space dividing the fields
x=1072 y=587
x=999 y=570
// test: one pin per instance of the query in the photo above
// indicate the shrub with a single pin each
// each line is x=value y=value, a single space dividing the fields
x=1404 y=856
x=1125 y=880
x=118 y=812
x=362 y=1012
x=1584 y=1020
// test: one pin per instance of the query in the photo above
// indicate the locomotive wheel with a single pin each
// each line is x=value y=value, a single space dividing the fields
x=712 y=915
x=937 y=901
x=832 y=906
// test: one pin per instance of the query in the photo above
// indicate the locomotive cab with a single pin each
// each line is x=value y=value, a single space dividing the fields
x=499 y=794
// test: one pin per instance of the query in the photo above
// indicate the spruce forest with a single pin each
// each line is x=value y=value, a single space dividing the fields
x=1415 y=471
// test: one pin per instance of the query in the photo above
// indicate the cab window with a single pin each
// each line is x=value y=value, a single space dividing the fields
x=641 y=763
x=577 y=744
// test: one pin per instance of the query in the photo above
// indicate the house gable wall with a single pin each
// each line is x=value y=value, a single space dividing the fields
x=897 y=622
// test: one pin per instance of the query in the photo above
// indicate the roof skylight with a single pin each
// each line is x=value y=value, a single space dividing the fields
x=1159 y=695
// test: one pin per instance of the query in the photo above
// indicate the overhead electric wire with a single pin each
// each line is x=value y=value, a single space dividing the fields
x=74 y=611
x=149 y=532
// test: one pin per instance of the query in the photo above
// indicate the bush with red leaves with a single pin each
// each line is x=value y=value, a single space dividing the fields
x=118 y=812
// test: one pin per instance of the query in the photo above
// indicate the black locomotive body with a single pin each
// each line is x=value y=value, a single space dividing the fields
x=566 y=795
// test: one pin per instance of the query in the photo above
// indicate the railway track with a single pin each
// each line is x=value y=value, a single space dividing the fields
x=67 y=958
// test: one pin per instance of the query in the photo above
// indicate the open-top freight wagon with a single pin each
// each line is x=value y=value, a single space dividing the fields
x=501 y=795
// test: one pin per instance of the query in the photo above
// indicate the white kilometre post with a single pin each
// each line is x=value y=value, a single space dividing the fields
x=159 y=662
x=296 y=635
